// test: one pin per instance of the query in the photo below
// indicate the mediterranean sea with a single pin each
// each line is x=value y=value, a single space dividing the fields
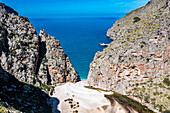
x=79 y=37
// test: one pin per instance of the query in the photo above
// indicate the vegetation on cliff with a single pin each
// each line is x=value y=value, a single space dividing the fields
x=126 y=102
x=139 y=51
x=154 y=92
x=29 y=64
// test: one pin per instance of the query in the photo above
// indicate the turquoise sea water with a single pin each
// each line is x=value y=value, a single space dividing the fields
x=79 y=37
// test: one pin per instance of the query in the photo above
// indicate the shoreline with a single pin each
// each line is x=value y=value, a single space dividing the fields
x=82 y=80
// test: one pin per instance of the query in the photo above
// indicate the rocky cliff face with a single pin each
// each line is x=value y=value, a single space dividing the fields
x=139 y=52
x=31 y=58
x=55 y=66
x=6 y=9
x=18 y=97
x=29 y=64
x=19 y=47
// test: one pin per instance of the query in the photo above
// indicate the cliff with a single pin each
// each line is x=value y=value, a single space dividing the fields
x=31 y=58
x=18 y=97
x=136 y=64
x=29 y=62
x=139 y=52
x=6 y=9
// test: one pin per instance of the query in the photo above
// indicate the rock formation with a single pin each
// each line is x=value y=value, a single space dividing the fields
x=29 y=64
x=55 y=66
x=6 y=9
x=16 y=97
x=139 y=51
x=31 y=58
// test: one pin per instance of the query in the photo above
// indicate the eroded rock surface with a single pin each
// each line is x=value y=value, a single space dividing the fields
x=55 y=64
x=140 y=50
x=31 y=58
x=18 y=97
x=28 y=65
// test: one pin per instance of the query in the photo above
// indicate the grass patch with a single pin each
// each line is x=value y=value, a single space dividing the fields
x=124 y=100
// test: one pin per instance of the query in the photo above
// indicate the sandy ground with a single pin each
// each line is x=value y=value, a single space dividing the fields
x=86 y=98
x=75 y=98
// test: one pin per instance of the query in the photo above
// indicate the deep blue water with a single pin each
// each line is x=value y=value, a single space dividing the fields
x=79 y=37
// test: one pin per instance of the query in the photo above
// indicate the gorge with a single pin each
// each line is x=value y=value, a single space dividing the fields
x=131 y=75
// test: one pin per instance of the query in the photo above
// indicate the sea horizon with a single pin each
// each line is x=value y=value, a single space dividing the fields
x=74 y=17
x=78 y=16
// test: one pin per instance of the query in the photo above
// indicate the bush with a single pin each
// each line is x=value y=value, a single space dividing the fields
x=136 y=19
x=13 y=53
x=146 y=98
x=166 y=81
x=2 y=109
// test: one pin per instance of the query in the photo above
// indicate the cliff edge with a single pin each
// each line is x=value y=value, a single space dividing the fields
x=31 y=58
x=29 y=64
x=139 y=52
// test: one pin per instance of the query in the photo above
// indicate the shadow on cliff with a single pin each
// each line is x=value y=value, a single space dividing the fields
x=167 y=111
x=78 y=77
x=4 y=46
x=24 y=97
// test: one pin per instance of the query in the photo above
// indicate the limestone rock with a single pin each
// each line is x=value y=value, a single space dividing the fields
x=55 y=64
x=6 y=9
x=139 y=52
x=38 y=60
x=18 y=97
x=26 y=60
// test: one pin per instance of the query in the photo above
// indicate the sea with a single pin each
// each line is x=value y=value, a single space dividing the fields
x=79 y=37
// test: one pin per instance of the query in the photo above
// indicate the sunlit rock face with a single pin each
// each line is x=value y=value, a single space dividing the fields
x=38 y=60
x=139 y=51
x=29 y=64
x=55 y=64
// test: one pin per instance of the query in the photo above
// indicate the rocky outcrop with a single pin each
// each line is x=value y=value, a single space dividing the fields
x=29 y=64
x=19 y=47
x=6 y=9
x=55 y=65
x=139 y=52
x=16 y=96
x=38 y=60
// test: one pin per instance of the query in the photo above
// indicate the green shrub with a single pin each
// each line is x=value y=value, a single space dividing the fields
x=166 y=81
x=146 y=98
x=136 y=19
x=13 y=53
x=2 y=109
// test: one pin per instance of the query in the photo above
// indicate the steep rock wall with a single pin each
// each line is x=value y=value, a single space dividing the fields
x=55 y=64
x=39 y=60
x=18 y=97
x=6 y=9
x=139 y=52
x=28 y=65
